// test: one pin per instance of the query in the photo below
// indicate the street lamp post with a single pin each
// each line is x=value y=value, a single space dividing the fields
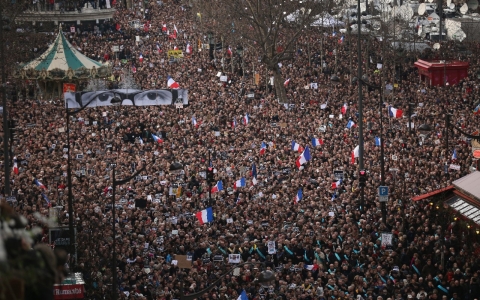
x=6 y=160
x=114 y=243
x=360 y=104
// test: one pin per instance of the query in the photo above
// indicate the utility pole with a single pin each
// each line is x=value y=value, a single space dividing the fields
x=4 y=26
x=360 y=103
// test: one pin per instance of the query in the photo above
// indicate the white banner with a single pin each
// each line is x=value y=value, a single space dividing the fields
x=386 y=239
x=125 y=97
x=455 y=167
x=234 y=258
x=271 y=247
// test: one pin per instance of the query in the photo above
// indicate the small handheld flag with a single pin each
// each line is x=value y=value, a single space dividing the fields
x=205 y=216
x=355 y=154
x=254 y=174
x=286 y=82
x=454 y=154
x=217 y=188
x=263 y=148
x=15 y=166
x=298 y=196
x=157 y=139
x=39 y=184
x=302 y=159
x=395 y=113
x=172 y=83
x=378 y=141
x=350 y=124
x=246 y=119
x=297 y=147
x=344 y=108
x=316 y=142
x=336 y=184
x=239 y=183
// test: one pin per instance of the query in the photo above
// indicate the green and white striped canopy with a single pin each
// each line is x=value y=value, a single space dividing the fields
x=61 y=55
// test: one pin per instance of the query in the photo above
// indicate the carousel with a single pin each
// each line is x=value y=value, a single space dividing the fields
x=62 y=68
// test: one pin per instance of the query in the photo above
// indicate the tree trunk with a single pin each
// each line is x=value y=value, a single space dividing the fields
x=279 y=85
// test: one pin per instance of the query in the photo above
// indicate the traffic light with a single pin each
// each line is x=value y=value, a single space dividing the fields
x=362 y=179
x=210 y=177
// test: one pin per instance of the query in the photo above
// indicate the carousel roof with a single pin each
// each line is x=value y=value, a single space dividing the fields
x=63 y=56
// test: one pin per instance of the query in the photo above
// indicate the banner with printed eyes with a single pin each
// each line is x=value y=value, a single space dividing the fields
x=125 y=97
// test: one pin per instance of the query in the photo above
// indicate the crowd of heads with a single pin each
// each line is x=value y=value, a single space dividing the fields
x=327 y=245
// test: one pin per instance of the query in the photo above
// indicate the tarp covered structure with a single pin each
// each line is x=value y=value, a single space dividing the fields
x=63 y=61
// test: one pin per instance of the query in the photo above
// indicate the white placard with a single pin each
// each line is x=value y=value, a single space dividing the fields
x=199 y=70
x=340 y=116
x=386 y=239
x=234 y=258
x=219 y=74
x=331 y=214
x=229 y=221
x=379 y=66
x=323 y=106
x=271 y=247
x=223 y=78
x=314 y=85
x=455 y=167
x=72 y=29
x=178 y=105
x=413 y=125
x=322 y=128
x=174 y=262
x=331 y=116
x=137 y=38
x=394 y=157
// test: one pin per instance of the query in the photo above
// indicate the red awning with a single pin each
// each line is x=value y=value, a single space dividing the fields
x=428 y=195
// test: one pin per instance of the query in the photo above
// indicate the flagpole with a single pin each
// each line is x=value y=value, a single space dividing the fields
x=6 y=159
x=360 y=105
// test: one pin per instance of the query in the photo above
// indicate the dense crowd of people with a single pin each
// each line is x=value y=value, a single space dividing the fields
x=325 y=244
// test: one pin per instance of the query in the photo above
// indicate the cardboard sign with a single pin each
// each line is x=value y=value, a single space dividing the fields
x=183 y=262
x=175 y=53
x=386 y=239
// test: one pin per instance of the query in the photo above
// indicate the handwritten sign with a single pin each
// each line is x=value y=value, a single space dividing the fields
x=175 y=53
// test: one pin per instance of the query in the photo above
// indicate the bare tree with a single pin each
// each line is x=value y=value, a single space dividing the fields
x=263 y=25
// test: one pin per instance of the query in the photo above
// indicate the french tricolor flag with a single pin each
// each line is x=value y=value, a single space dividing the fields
x=140 y=58
x=298 y=196
x=302 y=159
x=246 y=119
x=263 y=148
x=311 y=267
x=253 y=173
x=341 y=40
x=205 y=216
x=234 y=123
x=297 y=147
x=15 y=166
x=218 y=187
x=350 y=124
x=189 y=49
x=395 y=113
x=194 y=122
x=316 y=142
x=336 y=184
x=355 y=154
x=46 y=200
x=286 y=82
x=164 y=28
x=159 y=49
x=240 y=183
x=175 y=32
x=39 y=184
x=344 y=108
x=172 y=83
x=454 y=154
x=157 y=139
